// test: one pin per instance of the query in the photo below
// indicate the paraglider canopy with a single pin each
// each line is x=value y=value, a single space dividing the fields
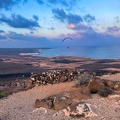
x=67 y=38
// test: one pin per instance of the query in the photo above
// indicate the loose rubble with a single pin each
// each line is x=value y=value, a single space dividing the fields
x=70 y=102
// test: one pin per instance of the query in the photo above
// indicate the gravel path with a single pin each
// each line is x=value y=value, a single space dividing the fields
x=20 y=106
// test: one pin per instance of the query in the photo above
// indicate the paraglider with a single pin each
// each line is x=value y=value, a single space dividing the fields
x=66 y=39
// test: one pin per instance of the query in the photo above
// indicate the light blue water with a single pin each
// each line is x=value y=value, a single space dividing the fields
x=104 y=52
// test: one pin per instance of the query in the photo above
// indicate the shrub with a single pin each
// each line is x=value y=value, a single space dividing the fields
x=3 y=94
x=104 y=91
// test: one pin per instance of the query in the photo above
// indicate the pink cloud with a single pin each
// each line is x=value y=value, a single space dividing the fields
x=71 y=26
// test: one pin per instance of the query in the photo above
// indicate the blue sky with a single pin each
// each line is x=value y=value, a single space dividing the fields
x=44 y=23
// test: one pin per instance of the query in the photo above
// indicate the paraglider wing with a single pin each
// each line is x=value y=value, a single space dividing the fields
x=66 y=38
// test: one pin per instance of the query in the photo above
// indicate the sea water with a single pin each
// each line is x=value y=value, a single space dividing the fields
x=102 y=52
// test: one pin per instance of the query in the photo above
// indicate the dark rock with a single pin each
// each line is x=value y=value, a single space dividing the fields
x=95 y=84
x=104 y=91
x=83 y=79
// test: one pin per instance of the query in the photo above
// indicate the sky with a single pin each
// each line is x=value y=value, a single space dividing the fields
x=45 y=23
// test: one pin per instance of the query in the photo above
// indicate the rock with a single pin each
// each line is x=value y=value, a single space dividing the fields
x=77 y=95
x=78 y=110
x=61 y=102
x=104 y=91
x=117 y=87
x=62 y=78
x=83 y=79
x=30 y=86
x=53 y=77
x=110 y=84
x=45 y=103
x=85 y=90
x=95 y=84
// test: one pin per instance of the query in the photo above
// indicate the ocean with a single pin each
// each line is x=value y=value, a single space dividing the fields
x=101 y=52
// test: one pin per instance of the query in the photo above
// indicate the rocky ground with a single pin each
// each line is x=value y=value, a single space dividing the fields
x=21 y=105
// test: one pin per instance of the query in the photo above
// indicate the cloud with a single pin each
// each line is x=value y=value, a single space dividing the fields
x=13 y=39
x=117 y=19
x=16 y=36
x=69 y=3
x=2 y=31
x=18 y=21
x=40 y=2
x=53 y=1
x=35 y=17
x=51 y=28
x=8 y=4
x=59 y=14
x=71 y=26
x=70 y=18
x=86 y=38
x=2 y=37
x=113 y=29
x=88 y=18
x=79 y=27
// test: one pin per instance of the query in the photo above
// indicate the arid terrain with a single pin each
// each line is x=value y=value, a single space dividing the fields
x=15 y=73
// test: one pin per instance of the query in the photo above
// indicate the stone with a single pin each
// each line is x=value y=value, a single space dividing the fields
x=61 y=102
x=95 y=84
x=110 y=84
x=77 y=95
x=77 y=110
x=85 y=90
x=117 y=87
x=43 y=103
x=83 y=79
x=62 y=78
x=104 y=91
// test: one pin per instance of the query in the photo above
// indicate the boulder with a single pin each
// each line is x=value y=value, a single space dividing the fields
x=61 y=102
x=45 y=103
x=95 y=84
x=83 y=79
x=77 y=110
